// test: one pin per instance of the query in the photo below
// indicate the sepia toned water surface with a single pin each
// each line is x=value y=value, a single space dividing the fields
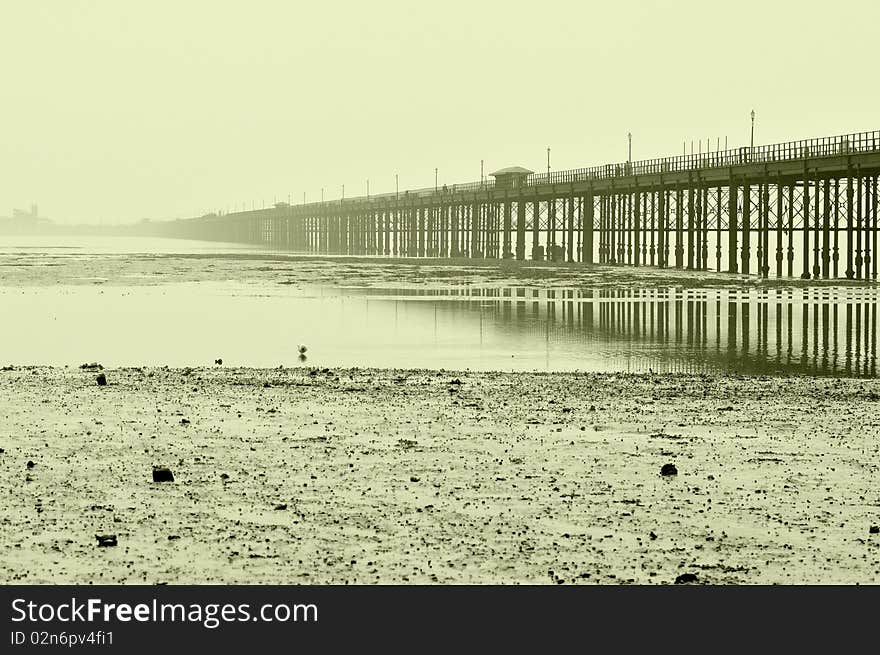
x=208 y=313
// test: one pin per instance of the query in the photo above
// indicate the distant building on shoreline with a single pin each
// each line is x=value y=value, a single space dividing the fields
x=25 y=221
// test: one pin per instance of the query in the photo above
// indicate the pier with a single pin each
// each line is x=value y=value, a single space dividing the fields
x=804 y=209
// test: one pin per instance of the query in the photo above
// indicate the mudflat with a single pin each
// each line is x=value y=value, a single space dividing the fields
x=304 y=475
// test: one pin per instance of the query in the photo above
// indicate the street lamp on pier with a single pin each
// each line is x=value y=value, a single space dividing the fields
x=630 y=156
x=753 y=129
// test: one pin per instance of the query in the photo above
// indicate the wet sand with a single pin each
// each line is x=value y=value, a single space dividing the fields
x=365 y=476
x=35 y=267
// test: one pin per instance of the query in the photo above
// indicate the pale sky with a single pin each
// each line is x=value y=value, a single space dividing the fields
x=115 y=111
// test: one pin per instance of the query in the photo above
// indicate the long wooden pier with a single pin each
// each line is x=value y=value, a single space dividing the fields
x=800 y=209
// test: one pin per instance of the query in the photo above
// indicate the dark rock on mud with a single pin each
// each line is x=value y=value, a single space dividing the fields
x=668 y=469
x=686 y=578
x=101 y=380
x=162 y=474
x=105 y=540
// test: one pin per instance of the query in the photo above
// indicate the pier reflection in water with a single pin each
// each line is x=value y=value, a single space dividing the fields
x=818 y=331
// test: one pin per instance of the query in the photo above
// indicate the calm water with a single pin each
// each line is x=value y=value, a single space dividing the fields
x=489 y=327
x=84 y=246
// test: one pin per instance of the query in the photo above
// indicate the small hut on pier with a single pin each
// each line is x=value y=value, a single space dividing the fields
x=513 y=177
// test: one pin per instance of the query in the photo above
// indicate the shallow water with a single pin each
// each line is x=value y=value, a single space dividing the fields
x=260 y=321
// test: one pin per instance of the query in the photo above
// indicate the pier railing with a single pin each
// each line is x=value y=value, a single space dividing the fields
x=860 y=142
x=790 y=151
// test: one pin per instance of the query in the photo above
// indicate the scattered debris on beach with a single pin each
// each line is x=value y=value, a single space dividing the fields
x=407 y=483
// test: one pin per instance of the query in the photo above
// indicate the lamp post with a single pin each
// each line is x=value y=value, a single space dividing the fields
x=435 y=180
x=753 y=129
x=548 y=164
x=368 y=188
x=396 y=186
x=481 y=172
x=630 y=156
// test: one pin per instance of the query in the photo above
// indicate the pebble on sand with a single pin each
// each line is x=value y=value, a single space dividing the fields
x=101 y=380
x=30 y=464
x=874 y=529
x=106 y=539
x=219 y=362
x=686 y=578
x=162 y=474
x=668 y=469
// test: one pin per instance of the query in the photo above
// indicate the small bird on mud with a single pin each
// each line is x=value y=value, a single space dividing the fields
x=302 y=349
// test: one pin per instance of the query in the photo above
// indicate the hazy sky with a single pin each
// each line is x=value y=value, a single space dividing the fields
x=116 y=111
